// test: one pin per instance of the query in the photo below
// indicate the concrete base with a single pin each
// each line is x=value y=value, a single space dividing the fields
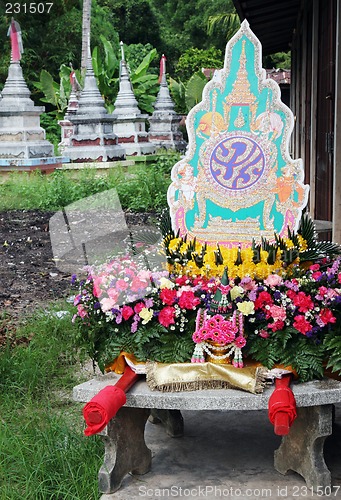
x=302 y=449
x=224 y=454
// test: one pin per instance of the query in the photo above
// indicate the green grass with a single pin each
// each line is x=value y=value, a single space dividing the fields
x=43 y=452
x=140 y=188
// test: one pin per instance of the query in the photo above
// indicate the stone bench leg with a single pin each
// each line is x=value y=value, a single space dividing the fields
x=302 y=449
x=172 y=421
x=125 y=448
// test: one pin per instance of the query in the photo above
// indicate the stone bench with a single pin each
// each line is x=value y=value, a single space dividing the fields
x=126 y=451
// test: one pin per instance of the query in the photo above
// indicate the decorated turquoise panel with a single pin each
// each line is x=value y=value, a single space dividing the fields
x=237 y=180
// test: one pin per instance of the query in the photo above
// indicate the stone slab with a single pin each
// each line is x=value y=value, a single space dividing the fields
x=315 y=393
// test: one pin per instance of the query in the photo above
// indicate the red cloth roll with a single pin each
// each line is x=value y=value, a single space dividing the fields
x=282 y=406
x=102 y=408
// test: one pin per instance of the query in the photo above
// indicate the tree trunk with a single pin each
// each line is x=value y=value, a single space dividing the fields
x=85 y=32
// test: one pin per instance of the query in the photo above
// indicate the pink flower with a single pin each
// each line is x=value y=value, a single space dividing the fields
x=181 y=280
x=303 y=302
x=188 y=300
x=81 y=311
x=264 y=334
x=121 y=285
x=339 y=278
x=113 y=294
x=138 y=308
x=273 y=280
x=316 y=275
x=277 y=325
x=77 y=299
x=322 y=291
x=97 y=291
x=107 y=304
x=327 y=316
x=166 y=316
x=301 y=324
x=240 y=342
x=263 y=299
x=139 y=284
x=314 y=267
x=168 y=296
x=278 y=313
x=127 y=312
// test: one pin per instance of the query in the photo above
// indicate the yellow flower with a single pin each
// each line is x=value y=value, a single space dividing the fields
x=246 y=308
x=236 y=291
x=166 y=283
x=302 y=243
x=146 y=314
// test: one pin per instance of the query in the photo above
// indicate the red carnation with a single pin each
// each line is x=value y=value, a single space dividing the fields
x=188 y=300
x=276 y=325
x=303 y=302
x=168 y=296
x=263 y=299
x=327 y=316
x=127 y=312
x=139 y=306
x=166 y=316
x=301 y=324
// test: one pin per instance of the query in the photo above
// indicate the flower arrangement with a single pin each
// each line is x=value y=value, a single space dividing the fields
x=277 y=303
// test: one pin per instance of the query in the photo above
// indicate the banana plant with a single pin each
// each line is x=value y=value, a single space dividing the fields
x=56 y=94
x=188 y=95
x=106 y=69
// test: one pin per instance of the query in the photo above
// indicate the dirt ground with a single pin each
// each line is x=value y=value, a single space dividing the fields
x=28 y=274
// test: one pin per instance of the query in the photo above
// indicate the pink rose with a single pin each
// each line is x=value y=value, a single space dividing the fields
x=303 y=302
x=277 y=325
x=107 y=304
x=316 y=275
x=138 y=284
x=264 y=334
x=97 y=291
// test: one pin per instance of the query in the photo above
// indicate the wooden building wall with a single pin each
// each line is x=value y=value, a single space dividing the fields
x=315 y=97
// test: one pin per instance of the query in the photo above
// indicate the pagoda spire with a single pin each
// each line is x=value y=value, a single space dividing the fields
x=126 y=103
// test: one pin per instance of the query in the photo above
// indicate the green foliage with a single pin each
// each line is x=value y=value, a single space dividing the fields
x=135 y=21
x=54 y=38
x=184 y=25
x=56 y=94
x=194 y=88
x=135 y=54
x=49 y=123
x=43 y=451
x=305 y=356
x=278 y=60
x=106 y=69
x=178 y=92
x=193 y=60
x=226 y=22
x=141 y=188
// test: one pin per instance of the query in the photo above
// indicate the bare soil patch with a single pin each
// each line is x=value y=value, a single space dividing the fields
x=28 y=274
